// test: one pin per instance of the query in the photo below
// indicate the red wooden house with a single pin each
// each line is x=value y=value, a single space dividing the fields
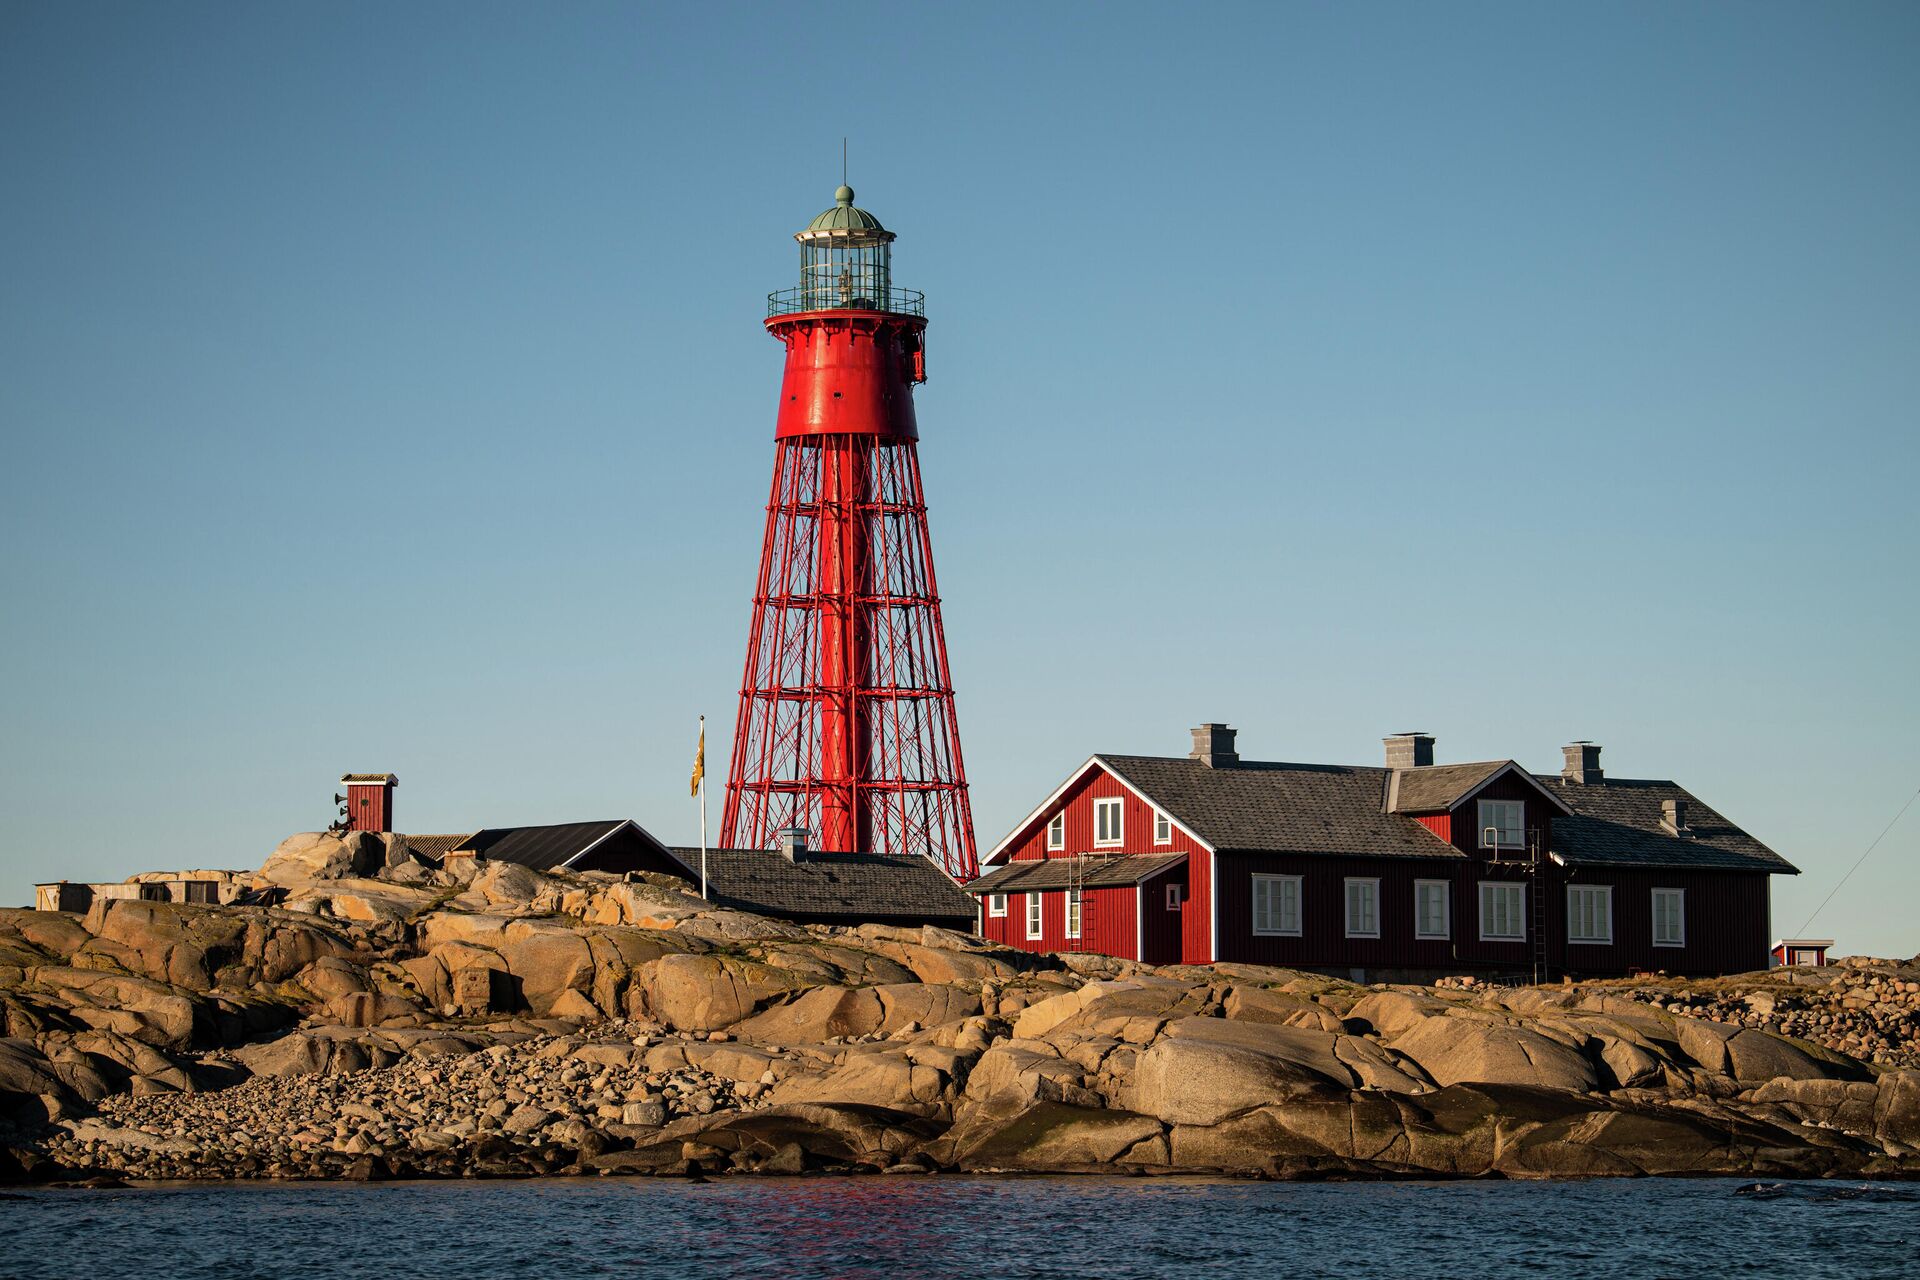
x=1401 y=872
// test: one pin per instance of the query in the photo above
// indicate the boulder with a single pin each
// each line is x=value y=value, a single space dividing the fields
x=1056 y=1137
x=319 y=855
x=822 y=1013
x=1206 y=1069
x=1470 y=1050
x=707 y=992
x=1247 y=1003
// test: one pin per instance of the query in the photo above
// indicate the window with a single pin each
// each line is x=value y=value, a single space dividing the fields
x=996 y=904
x=1174 y=897
x=1276 y=905
x=1106 y=821
x=1073 y=913
x=1669 y=917
x=1503 y=913
x=1057 y=832
x=1589 y=913
x=1501 y=824
x=1033 y=915
x=1162 y=829
x=1363 y=908
x=1432 y=909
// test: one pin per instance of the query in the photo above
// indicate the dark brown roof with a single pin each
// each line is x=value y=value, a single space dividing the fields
x=369 y=777
x=832 y=887
x=541 y=848
x=1617 y=822
x=1435 y=788
x=1281 y=808
x=1087 y=872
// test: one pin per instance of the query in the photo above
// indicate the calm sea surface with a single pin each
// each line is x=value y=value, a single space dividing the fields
x=895 y=1227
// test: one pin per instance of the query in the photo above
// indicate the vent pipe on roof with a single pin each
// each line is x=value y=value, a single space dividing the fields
x=793 y=843
x=1213 y=746
x=1409 y=750
x=1582 y=762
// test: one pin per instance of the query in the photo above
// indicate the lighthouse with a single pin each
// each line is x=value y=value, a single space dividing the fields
x=846 y=726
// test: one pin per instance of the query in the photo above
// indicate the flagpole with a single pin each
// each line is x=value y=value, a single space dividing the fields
x=703 y=807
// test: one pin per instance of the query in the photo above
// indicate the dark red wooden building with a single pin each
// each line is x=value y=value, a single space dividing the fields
x=1400 y=872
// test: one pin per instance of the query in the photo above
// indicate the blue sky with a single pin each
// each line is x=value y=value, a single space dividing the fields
x=383 y=387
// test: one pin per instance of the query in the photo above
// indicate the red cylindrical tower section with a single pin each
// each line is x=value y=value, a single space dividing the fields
x=850 y=373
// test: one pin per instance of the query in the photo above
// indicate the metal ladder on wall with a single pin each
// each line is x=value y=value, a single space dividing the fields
x=1537 y=905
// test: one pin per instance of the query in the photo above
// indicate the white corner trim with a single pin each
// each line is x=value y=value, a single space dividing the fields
x=1140 y=922
x=1213 y=907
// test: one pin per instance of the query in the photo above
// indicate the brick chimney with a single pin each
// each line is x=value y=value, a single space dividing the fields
x=1213 y=746
x=793 y=843
x=1673 y=816
x=1582 y=762
x=369 y=802
x=1409 y=750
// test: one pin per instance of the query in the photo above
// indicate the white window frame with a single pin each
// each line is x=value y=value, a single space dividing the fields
x=1276 y=930
x=1520 y=825
x=1520 y=895
x=1057 y=831
x=997 y=905
x=1118 y=807
x=1446 y=910
x=1162 y=828
x=1679 y=915
x=1175 y=897
x=1036 y=916
x=1076 y=907
x=1604 y=892
x=1371 y=887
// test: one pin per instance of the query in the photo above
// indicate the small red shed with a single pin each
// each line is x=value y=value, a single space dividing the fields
x=369 y=800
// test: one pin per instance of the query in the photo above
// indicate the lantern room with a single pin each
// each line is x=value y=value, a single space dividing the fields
x=846 y=264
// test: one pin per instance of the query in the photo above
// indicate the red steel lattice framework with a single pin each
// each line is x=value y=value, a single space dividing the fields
x=846 y=725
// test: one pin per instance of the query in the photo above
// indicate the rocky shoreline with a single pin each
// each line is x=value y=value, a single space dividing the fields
x=370 y=1019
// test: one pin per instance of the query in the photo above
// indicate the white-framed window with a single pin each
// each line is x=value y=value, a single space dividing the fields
x=1669 y=917
x=1276 y=906
x=1363 y=908
x=996 y=904
x=1503 y=912
x=1073 y=913
x=1162 y=828
x=1589 y=913
x=1175 y=897
x=1106 y=821
x=1432 y=909
x=1502 y=824
x=1057 y=831
x=1034 y=922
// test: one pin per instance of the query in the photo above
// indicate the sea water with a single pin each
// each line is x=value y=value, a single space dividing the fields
x=1003 y=1228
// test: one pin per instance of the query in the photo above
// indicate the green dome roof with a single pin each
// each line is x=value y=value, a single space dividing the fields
x=843 y=218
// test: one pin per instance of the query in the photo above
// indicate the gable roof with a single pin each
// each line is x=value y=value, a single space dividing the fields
x=1618 y=822
x=542 y=848
x=849 y=887
x=1268 y=807
x=434 y=848
x=1082 y=872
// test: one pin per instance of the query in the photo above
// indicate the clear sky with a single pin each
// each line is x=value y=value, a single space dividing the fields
x=383 y=388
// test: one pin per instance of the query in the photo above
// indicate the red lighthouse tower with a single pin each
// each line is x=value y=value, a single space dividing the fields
x=846 y=723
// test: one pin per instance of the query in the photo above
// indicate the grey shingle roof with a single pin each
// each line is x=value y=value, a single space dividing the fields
x=1617 y=822
x=849 y=887
x=1434 y=788
x=1065 y=873
x=541 y=848
x=1282 y=808
x=1261 y=807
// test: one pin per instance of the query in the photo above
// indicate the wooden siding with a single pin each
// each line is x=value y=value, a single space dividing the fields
x=1725 y=916
x=376 y=813
x=1441 y=824
x=1160 y=929
x=1107 y=923
x=1136 y=824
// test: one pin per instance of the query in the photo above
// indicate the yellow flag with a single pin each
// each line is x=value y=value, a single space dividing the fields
x=699 y=760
